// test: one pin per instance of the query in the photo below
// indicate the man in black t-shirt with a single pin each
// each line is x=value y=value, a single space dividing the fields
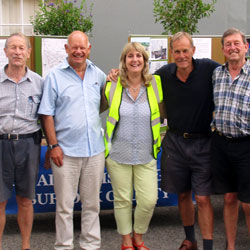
x=186 y=158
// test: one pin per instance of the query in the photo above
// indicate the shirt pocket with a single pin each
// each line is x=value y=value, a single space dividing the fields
x=94 y=92
x=32 y=106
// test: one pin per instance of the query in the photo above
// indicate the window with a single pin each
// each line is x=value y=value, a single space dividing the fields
x=15 y=16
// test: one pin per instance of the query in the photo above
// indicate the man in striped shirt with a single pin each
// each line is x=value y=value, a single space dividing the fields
x=231 y=139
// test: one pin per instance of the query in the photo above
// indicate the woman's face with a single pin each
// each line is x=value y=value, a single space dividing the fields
x=134 y=61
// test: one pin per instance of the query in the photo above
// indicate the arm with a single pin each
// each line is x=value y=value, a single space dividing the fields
x=113 y=75
x=56 y=154
x=104 y=104
x=162 y=110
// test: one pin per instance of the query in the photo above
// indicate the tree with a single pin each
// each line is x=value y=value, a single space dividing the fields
x=61 y=17
x=181 y=15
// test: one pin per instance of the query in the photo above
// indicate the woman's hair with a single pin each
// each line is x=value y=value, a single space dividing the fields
x=146 y=76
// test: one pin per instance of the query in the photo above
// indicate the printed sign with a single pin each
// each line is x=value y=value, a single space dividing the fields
x=45 y=200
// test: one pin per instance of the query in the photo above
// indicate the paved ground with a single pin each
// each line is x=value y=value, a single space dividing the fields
x=165 y=232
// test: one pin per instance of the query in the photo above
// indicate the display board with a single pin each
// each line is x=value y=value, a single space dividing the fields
x=206 y=47
x=49 y=51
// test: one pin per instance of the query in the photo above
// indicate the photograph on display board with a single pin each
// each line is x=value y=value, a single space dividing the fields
x=144 y=41
x=159 y=49
x=248 y=52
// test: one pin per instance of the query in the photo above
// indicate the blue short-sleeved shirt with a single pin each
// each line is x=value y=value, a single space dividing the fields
x=75 y=105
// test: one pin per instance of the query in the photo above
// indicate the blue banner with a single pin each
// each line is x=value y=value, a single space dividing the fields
x=45 y=200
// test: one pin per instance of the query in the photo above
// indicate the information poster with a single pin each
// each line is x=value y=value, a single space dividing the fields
x=203 y=47
x=45 y=200
x=53 y=52
x=3 y=58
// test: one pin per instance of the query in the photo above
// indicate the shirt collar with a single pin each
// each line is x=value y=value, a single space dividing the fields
x=4 y=77
x=245 y=68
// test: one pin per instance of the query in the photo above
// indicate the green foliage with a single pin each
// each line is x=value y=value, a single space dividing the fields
x=181 y=15
x=61 y=17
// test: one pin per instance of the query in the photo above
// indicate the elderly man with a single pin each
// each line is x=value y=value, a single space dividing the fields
x=186 y=158
x=70 y=112
x=231 y=139
x=20 y=135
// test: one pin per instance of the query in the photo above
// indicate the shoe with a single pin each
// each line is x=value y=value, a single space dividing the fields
x=138 y=247
x=127 y=247
x=188 y=245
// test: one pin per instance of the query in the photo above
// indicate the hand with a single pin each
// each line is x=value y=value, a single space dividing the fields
x=56 y=155
x=113 y=75
x=47 y=160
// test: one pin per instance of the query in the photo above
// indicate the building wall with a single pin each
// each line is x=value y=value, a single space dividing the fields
x=115 y=20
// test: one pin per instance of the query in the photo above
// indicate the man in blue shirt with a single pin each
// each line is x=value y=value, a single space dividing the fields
x=231 y=140
x=70 y=112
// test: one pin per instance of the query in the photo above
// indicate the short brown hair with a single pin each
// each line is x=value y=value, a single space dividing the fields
x=233 y=31
x=178 y=36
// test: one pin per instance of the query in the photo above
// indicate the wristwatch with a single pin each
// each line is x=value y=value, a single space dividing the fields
x=53 y=146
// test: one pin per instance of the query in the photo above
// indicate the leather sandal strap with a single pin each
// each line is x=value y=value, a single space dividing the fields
x=140 y=246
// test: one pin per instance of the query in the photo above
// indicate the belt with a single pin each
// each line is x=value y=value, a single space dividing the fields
x=190 y=135
x=233 y=139
x=16 y=136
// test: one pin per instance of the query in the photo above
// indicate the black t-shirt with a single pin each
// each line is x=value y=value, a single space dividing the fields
x=189 y=105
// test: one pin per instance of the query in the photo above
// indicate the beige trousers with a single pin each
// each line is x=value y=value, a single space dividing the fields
x=85 y=174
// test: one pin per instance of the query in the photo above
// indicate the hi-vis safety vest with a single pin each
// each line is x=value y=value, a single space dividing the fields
x=113 y=93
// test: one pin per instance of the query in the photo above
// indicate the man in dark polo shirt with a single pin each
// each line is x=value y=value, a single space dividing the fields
x=20 y=136
x=186 y=157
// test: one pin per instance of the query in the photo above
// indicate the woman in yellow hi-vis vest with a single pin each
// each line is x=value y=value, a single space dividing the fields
x=132 y=141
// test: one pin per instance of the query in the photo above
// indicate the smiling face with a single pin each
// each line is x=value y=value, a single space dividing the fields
x=234 y=48
x=17 y=51
x=78 y=49
x=134 y=61
x=182 y=52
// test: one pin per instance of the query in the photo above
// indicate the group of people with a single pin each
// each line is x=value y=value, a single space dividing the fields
x=205 y=151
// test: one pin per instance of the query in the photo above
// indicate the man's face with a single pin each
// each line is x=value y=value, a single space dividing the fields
x=77 y=49
x=17 y=51
x=182 y=53
x=234 y=48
